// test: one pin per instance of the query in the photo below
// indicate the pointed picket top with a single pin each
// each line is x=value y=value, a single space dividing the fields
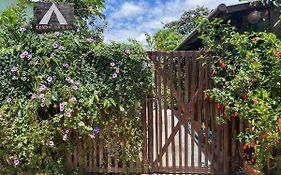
x=53 y=9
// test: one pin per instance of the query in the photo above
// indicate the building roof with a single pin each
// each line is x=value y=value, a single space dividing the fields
x=191 y=42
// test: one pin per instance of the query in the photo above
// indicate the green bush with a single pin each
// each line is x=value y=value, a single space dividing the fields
x=247 y=85
x=55 y=86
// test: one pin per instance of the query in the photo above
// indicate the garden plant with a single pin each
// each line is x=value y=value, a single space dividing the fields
x=247 y=87
x=59 y=86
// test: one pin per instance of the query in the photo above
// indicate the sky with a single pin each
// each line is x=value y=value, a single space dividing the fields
x=133 y=18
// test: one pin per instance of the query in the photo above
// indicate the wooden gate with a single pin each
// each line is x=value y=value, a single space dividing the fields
x=180 y=129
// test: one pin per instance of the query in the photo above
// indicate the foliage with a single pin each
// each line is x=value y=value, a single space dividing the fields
x=187 y=22
x=57 y=86
x=164 y=39
x=169 y=38
x=247 y=85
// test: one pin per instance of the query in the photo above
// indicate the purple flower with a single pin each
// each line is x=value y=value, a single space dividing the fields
x=24 y=54
x=64 y=138
x=68 y=79
x=68 y=114
x=61 y=47
x=14 y=69
x=97 y=130
x=90 y=40
x=75 y=87
x=127 y=52
x=61 y=107
x=9 y=100
x=34 y=96
x=112 y=64
x=42 y=88
x=55 y=45
x=114 y=75
x=43 y=100
x=65 y=65
x=22 y=29
x=29 y=56
x=57 y=34
x=16 y=162
x=49 y=79
x=51 y=143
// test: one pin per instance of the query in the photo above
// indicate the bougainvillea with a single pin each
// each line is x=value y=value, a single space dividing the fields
x=56 y=86
x=247 y=84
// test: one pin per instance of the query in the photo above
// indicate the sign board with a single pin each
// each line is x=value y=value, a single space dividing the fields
x=53 y=17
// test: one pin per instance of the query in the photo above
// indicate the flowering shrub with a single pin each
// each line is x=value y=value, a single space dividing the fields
x=247 y=85
x=56 y=86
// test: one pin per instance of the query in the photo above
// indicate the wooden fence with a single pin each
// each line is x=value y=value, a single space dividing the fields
x=180 y=131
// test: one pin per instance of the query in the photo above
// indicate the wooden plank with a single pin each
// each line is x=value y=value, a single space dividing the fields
x=159 y=110
x=226 y=148
x=192 y=111
x=95 y=156
x=90 y=159
x=144 y=132
x=165 y=105
x=199 y=111
x=156 y=118
x=180 y=107
x=101 y=157
x=208 y=119
x=171 y=86
x=186 y=113
x=150 y=130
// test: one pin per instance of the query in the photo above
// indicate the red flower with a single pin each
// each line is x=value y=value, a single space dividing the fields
x=267 y=148
x=245 y=97
x=279 y=130
x=260 y=136
x=276 y=53
x=255 y=100
x=253 y=144
x=252 y=159
x=245 y=146
x=276 y=141
x=223 y=65
x=236 y=114
x=267 y=136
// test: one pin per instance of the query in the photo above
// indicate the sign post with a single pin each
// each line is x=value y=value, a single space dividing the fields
x=53 y=17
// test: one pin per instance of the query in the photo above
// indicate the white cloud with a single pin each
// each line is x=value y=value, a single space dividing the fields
x=133 y=19
x=128 y=10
